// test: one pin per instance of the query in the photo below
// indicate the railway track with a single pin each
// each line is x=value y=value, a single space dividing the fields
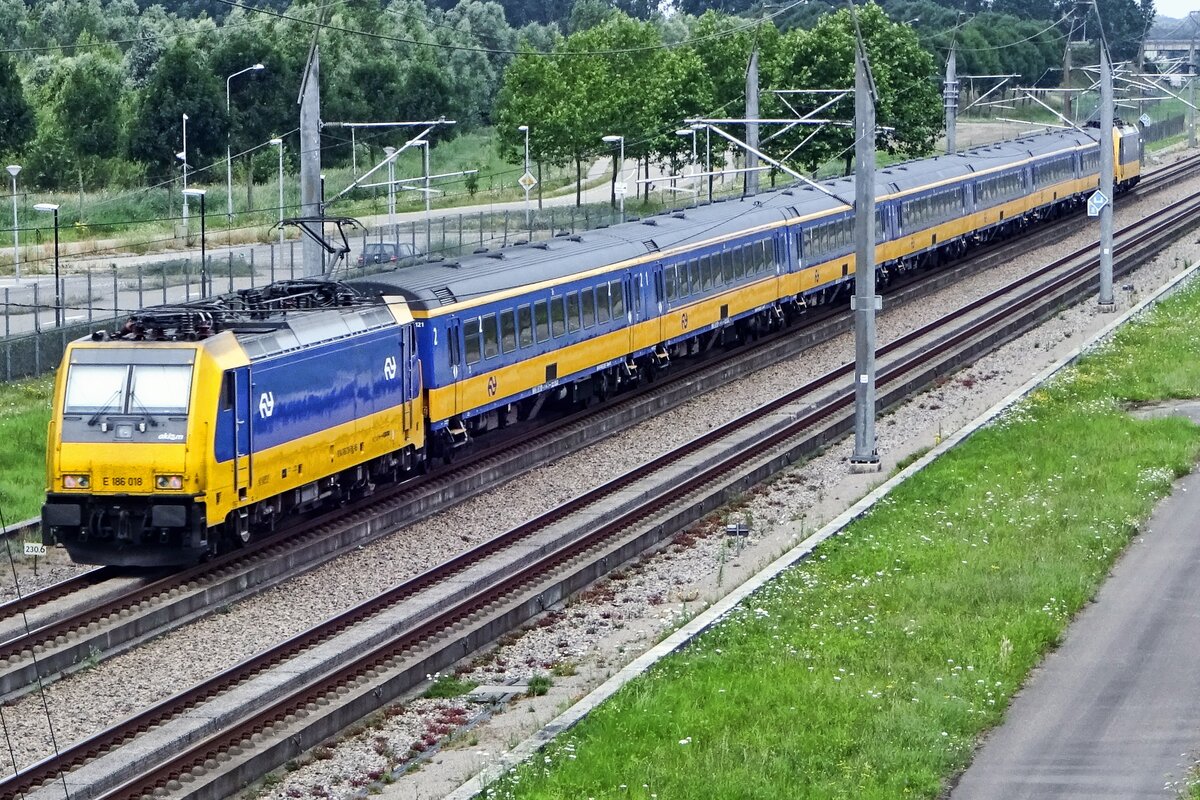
x=58 y=639
x=210 y=739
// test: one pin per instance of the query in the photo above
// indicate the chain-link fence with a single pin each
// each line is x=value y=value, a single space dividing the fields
x=39 y=321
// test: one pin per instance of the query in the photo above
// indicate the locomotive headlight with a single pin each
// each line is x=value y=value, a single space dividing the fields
x=169 y=481
x=75 y=481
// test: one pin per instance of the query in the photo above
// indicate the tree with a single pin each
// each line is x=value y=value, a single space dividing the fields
x=905 y=76
x=16 y=117
x=180 y=83
x=81 y=122
x=1125 y=25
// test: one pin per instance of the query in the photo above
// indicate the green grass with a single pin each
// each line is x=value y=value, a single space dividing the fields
x=24 y=414
x=141 y=219
x=871 y=669
x=446 y=686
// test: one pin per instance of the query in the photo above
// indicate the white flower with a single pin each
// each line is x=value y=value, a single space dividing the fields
x=688 y=740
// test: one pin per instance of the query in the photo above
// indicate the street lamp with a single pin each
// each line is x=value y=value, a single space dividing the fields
x=203 y=245
x=279 y=143
x=620 y=188
x=525 y=182
x=228 y=135
x=182 y=156
x=14 y=170
x=57 y=289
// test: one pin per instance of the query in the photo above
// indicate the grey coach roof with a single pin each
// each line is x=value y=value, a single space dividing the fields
x=434 y=285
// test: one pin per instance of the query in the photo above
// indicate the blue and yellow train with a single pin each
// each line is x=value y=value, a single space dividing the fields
x=199 y=426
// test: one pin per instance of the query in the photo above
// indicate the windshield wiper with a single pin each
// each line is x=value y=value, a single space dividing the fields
x=145 y=411
x=104 y=408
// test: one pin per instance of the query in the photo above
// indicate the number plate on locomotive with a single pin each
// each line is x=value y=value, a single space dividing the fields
x=123 y=481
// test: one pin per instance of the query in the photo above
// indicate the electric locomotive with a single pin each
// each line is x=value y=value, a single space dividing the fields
x=193 y=426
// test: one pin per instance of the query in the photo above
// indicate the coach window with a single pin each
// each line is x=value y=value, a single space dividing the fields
x=669 y=280
x=618 y=299
x=474 y=340
x=558 y=323
x=573 y=312
x=491 y=342
x=542 y=317
x=589 y=307
x=525 y=325
x=694 y=272
x=739 y=261
x=727 y=266
x=602 y=315
x=508 y=331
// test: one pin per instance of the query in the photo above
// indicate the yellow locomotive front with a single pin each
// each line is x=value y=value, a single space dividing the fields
x=126 y=453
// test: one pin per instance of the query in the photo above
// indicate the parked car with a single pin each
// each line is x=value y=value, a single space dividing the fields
x=399 y=253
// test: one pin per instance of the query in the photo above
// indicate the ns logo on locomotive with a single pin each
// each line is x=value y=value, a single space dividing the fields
x=194 y=428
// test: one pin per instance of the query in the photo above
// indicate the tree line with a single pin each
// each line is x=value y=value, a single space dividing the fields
x=93 y=92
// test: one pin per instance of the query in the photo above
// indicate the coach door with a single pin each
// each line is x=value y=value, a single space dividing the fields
x=636 y=310
x=457 y=368
x=237 y=396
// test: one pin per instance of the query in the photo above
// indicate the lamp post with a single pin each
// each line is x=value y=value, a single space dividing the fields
x=524 y=183
x=203 y=244
x=620 y=188
x=228 y=151
x=14 y=169
x=57 y=289
x=182 y=156
x=279 y=143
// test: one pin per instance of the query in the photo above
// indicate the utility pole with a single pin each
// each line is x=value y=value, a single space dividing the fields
x=312 y=263
x=1106 y=179
x=1066 y=79
x=751 y=185
x=950 y=97
x=1192 y=82
x=866 y=456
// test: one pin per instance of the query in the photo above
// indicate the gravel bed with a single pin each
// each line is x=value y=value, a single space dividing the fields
x=638 y=606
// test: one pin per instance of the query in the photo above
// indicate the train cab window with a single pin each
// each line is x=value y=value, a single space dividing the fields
x=541 y=316
x=508 y=331
x=227 y=392
x=669 y=280
x=618 y=299
x=473 y=338
x=491 y=342
x=602 y=315
x=573 y=323
x=589 y=307
x=525 y=325
x=558 y=322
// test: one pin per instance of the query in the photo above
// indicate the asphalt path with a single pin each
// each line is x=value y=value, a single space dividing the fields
x=1115 y=711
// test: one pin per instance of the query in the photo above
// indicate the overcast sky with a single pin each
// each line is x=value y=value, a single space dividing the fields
x=1176 y=8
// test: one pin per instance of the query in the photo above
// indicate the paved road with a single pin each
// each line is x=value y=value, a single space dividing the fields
x=1115 y=711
